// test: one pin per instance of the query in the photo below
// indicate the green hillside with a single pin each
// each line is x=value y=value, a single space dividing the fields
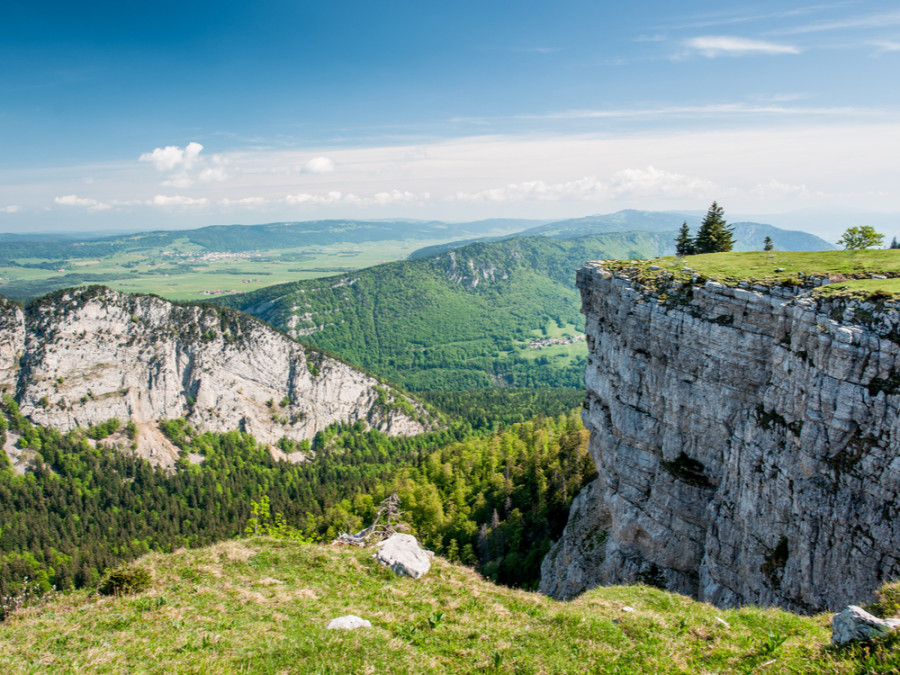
x=469 y=318
x=262 y=605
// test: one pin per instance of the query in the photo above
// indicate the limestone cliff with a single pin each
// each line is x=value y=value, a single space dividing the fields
x=82 y=356
x=747 y=441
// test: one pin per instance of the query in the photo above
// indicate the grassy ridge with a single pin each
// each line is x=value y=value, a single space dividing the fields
x=261 y=606
x=462 y=320
x=849 y=272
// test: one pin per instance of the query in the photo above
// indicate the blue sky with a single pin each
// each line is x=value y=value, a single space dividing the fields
x=136 y=115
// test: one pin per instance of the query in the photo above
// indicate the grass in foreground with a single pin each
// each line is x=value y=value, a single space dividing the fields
x=261 y=606
x=848 y=270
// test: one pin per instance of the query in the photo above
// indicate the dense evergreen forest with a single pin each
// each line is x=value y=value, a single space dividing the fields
x=486 y=496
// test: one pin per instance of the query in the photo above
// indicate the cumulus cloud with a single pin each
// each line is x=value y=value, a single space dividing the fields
x=75 y=200
x=12 y=208
x=177 y=200
x=712 y=46
x=319 y=165
x=184 y=166
x=171 y=156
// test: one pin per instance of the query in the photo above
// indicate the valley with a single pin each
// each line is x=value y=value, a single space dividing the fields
x=137 y=426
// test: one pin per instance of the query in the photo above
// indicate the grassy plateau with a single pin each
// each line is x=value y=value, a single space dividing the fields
x=860 y=273
x=261 y=605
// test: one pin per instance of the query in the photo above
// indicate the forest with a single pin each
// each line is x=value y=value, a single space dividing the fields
x=491 y=496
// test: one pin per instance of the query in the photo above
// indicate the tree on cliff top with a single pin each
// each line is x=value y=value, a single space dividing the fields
x=684 y=242
x=714 y=236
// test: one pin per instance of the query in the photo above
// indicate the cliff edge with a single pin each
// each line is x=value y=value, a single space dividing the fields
x=747 y=439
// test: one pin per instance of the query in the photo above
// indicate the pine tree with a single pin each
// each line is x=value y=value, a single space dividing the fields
x=895 y=243
x=714 y=236
x=767 y=244
x=684 y=242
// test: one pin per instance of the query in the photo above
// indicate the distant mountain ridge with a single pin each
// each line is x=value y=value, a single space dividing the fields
x=748 y=236
x=241 y=238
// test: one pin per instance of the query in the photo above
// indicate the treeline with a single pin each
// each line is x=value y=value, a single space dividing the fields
x=494 y=501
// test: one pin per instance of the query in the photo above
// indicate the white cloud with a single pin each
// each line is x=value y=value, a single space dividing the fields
x=306 y=198
x=775 y=189
x=13 y=208
x=655 y=183
x=171 y=156
x=319 y=165
x=185 y=166
x=177 y=200
x=75 y=200
x=712 y=46
x=649 y=182
x=246 y=202
x=387 y=198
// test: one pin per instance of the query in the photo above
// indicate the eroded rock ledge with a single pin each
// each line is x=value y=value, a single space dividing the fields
x=747 y=441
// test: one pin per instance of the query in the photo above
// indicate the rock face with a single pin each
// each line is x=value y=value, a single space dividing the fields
x=747 y=441
x=855 y=624
x=82 y=356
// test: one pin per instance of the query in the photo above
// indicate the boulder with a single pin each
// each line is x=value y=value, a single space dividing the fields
x=855 y=624
x=402 y=553
x=349 y=622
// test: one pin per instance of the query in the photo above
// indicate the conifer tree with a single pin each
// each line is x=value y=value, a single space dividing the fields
x=714 y=236
x=684 y=242
x=767 y=244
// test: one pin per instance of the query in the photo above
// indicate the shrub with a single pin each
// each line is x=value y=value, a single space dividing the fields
x=124 y=580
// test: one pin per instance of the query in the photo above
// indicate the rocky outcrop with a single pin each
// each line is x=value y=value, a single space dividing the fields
x=747 y=441
x=402 y=553
x=82 y=356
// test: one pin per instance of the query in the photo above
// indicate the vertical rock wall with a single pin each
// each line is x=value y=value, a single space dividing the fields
x=747 y=441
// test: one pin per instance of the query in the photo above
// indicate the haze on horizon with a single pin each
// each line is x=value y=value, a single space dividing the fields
x=118 y=116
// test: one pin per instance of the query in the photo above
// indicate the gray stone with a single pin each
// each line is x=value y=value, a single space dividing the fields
x=747 y=444
x=855 y=624
x=402 y=553
x=349 y=622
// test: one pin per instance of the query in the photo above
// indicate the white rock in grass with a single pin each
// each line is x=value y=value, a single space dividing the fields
x=402 y=553
x=856 y=624
x=349 y=622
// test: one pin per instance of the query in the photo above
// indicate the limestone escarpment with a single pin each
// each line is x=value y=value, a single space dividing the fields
x=82 y=356
x=747 y=441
